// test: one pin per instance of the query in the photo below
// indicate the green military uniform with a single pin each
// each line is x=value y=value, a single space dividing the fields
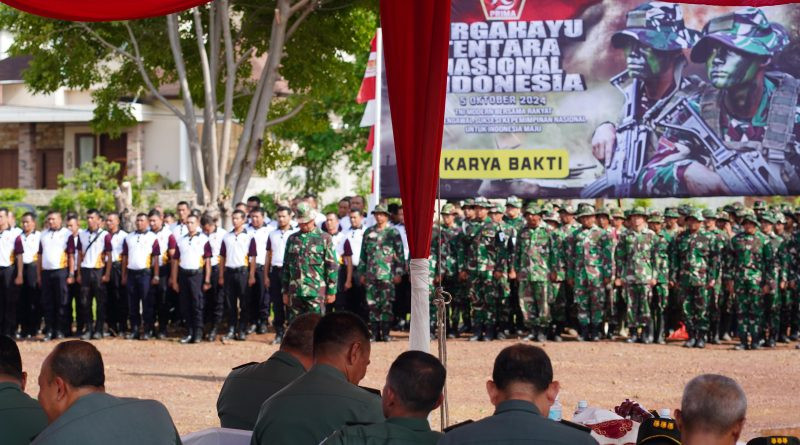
x=249 y=385
x=514 y=307
x=589 y=270
x=504 y=306
x=793 y=258
x=445 y=244
x=491 y=247
x=310 y=268
x=557 y=300
x=534 y=254
x=315 y=405
x=616 y=303
x=393 y=431
x=715 y=294
x=382 y=259
x=693 y=269
x=774 y=300
x=101 y=419
x=751 y=267
x=661 y=249
x=21 y=417
x=516 y=422
x=635 y=260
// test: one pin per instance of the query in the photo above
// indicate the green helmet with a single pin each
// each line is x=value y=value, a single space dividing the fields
x=638 y=210
x=671 y=212
x=448 y=209
x=513 y=201
x=551 y=216
x=759 y=205
x=709 y=214
x=617 y=212
x=658 y=25
x=747 y=30
x=567 y=209
x=723 y=216
x=769 y=217
x=533 y=209
x=469 y=202
x=586 y=210
x=603 y=211
x=306 y=214
x=497 y=208
x=685 y=209
x=696 y=214
x=480 y=201
x=749 y=215
x=378 y=209
x=655 y=217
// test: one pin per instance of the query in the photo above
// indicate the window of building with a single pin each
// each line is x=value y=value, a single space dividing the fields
x=86 y=148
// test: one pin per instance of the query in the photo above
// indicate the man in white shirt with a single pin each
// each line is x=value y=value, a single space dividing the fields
x=191 y=276
x=74 y=288
x=161 y=293
x=276 y=248
x=234 y=270
x=117 y=301
x=92 y=262
x=9 y=293
x=179 y=229
x=28 y=245
x=354 y=294
x=259 y=299
x=55 y=267
x=343 y=213
x=140 y=253
x=214 y=301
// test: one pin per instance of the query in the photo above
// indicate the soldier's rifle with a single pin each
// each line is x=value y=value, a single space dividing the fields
x=745 y=173
x=627 y=158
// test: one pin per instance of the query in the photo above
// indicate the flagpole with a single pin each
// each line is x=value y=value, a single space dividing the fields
x=376 y=145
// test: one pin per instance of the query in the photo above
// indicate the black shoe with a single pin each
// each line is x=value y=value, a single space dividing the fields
x=145 y=335
x=491 y=334
x=477 y=334
x=530 y=337
x=771 y=342
x=59 y=335
x=133 y=335
x=251 y=329
x=740 y=347
x=452 y=336
x=161 y=334
x=230 y=335
x=375 y=332
x=98 y=335
x=632 y=339
x=541 y=338
x=385 y=329
x=690 y=343
x=501 y=336
x=584 y=334
x=240 y=336
x=261 y=327
x=86 y=335
x=700 y=343
x=783 y=339
x=212 y=334
x=47 y=336
x=794 y=337
x=278 y=338
x=188 y=338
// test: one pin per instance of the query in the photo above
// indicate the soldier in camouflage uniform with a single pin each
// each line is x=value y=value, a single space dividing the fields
x=693 y=271
x=661 y=248
x=750 y=272
x=726 y=300
x=736 y=49
x=715 y=294
x=773 y=300
x=635 y=260
x=533 y=256
x=514 y=219
x=381 y=266
x=589 y=272
x=492 y=249
x=310 y=269
x=793 y=256
x=569 y=226
x=447 y=237
x=616 y=306
x=504 y=305
x=784 y=254
x=558 y=273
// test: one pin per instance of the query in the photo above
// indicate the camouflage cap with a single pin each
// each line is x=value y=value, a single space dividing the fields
x=548 y=207
x=768 y=216
x=786 y=208
x=730 y=208
x=780 y=218
x=747 y=30
x=551 y=216
x=723 y=216
x=567 y=209
x=749 y=215
x=586 y=210
x=671 y=212
x=696 y=214
x=469 y=202
x=685 y=209
x=380 y=209
x=448 y=209
x=480 y=201
x=759 y=205
x=638 y=210
x=709 y=214
x=305 y=213
x=496 y=208
x=532 y=209
x=658 y=25
x=655 y=217
x=513 y=201
x=617 y=212
x=603 y=211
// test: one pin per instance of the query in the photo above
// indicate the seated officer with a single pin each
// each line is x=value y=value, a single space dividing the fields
x=522 y=390
x=72 y=393
x=21 y=417
x=249 y=385
x=413 y=389
x=658 y=431
x=713 y=410
x=326 y=397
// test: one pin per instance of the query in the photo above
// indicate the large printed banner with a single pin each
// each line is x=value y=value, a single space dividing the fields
x=616 y=98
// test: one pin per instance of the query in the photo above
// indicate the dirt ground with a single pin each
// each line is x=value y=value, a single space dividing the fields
x=187 y=378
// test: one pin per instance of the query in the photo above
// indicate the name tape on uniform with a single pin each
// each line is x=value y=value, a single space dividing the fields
x=504 y=164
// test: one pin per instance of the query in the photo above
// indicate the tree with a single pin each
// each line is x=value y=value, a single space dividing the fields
x=211 y=53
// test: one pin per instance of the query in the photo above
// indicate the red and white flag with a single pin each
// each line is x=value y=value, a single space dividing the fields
x=367 y=91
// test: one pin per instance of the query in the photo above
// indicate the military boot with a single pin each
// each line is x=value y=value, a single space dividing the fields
x=701 y=339
x=755 y=342
x=557 y=330
x=692 y=340
x=612 y=327
x=212 y=334
x=595 y=332
x=659 y=331
x=477 y=334
x=375 y=333
x=647 y=333
x=491 y=333
x=583 y=335
x=772 y=339
x=385 y=328
x=188 y=338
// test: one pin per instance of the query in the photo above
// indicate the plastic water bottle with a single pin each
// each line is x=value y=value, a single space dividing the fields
x=664 y=413
x=555 y=411
x=582 y=405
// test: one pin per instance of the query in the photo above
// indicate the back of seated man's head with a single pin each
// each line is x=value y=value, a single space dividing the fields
x=341 y=340
x=414 y=385
x=713 y=410
x=523 y=372
x=11 y=362
x=299 y=338
x=73 y=370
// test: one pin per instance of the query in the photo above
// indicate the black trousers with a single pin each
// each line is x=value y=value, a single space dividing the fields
x=276 y=299
x=73 y=312
x=214 y=300
x=117 y=300
x=9 y=294
x=30 y=310
x=138 y=292
x=190 y=283
x=160 y=294
x=92 y=287
x=236 y=290
x=259 y=298
x=54 y=299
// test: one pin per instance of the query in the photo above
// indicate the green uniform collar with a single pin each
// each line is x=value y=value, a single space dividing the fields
x=516 y=405
x=329 y=371
x=10 y=385
x=411 y=423
x=287 y=358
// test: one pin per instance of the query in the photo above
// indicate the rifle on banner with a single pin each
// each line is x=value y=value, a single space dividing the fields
x=745 y=173
x=627 y=158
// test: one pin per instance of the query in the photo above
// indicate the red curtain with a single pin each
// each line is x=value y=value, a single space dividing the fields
x=102 y=10
x=416 y=36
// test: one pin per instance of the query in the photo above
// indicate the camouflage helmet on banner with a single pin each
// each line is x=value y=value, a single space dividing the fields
x=658 y=25
x=747 y=30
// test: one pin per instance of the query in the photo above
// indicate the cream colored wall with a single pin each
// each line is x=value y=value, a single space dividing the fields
x=18 y=94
